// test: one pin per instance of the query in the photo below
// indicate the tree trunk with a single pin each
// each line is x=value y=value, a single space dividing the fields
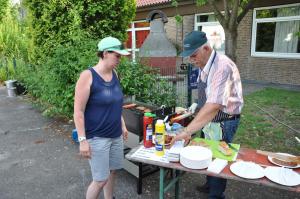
x=231 y=43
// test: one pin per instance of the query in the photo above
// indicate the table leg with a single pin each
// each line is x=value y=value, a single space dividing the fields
x=161 y=182
x=177 y=191
x=140 y=179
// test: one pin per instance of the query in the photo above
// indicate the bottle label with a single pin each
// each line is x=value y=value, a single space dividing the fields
x=149 y=132
x=159 y=141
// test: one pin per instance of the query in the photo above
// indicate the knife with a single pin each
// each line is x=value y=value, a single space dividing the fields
x=232 y=147
x=280 y=156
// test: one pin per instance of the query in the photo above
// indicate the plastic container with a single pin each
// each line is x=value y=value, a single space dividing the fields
x=148 y=130
x=11 y=92
x=10 y=84
x=75 y=135
x=160 y=138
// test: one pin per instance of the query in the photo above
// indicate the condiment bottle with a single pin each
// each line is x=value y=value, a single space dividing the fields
x=159 y=138
x=148 y=129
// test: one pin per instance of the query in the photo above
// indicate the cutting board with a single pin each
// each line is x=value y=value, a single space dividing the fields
x=213 y=145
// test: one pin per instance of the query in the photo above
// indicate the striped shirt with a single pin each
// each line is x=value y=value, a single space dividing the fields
x=224 y=85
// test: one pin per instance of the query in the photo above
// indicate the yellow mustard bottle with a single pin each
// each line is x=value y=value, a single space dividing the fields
x=159 y=138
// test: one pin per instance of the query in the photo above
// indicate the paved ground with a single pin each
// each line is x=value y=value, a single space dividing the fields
x=38 y=159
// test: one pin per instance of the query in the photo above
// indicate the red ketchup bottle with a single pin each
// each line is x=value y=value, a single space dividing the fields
x=148 y=129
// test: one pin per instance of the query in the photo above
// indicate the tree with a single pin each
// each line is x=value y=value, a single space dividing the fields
x=229 y=16
x=234 y=12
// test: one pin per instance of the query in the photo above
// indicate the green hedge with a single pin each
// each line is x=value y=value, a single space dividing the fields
x=53 y=84
x=57 y=22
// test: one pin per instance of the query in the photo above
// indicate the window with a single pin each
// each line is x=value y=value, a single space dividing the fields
x=276 y=32
x=214 y=31
x=137 y=34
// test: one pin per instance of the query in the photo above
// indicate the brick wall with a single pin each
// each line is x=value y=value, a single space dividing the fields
x=274 y=70
x=176 y=32
x=261 y=69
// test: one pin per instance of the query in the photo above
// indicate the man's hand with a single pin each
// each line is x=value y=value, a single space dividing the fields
x=183 y=135
x=84 y=149
x=193 y=108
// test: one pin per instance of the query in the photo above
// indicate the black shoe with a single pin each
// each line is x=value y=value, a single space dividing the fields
x=203 y=189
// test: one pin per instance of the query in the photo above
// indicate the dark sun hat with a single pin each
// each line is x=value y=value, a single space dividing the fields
x=192 y=42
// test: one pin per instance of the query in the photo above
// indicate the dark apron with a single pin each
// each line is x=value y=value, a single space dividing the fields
x=221 y=116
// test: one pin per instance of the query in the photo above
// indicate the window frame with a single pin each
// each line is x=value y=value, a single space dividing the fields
x=267 y=20
x=133 y=31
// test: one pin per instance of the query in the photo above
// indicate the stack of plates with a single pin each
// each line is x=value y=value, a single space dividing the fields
x=195 y=157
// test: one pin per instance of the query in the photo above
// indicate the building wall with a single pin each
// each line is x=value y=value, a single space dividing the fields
x=176 y=32
x=261 y=69
x=274 y=70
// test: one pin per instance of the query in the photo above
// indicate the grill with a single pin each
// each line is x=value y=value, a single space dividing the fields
x=134 y=117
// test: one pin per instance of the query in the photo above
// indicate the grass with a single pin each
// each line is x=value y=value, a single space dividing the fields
x=259 y=130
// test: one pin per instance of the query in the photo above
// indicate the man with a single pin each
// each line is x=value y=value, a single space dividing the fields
x=220 y=97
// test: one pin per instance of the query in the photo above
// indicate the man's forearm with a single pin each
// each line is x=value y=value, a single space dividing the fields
x=204 y=116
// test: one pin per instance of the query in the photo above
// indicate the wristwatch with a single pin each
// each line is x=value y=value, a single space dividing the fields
x=81 y=138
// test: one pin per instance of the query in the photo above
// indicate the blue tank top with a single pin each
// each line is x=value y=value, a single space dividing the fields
x=104 y=108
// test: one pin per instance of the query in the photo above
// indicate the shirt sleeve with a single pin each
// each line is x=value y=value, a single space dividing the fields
x=219 y=87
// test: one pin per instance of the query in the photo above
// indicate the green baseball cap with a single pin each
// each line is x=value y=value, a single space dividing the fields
x=192 y=42
x=112 y=44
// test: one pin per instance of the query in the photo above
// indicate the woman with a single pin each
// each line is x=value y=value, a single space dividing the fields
x=98 y=118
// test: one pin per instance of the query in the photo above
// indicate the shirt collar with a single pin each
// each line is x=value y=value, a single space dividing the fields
x=206 y=68
x=209 y=63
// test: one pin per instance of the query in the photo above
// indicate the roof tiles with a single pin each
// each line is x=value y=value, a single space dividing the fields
x=142 y=3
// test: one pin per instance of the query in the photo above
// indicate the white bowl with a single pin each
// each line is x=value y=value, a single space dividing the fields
x=195 y=157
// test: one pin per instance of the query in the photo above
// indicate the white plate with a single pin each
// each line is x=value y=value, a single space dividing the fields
x=283 y=176
x=271 y=160
x=248 y=170
x=195 y=157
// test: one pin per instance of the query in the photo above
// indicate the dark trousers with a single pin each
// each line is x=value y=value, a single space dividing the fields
x=217 y=185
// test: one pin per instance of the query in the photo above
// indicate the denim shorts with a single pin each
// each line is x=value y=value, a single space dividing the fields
x=107 y=154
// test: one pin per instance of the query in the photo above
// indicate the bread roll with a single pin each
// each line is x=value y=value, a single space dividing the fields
x=224 y=148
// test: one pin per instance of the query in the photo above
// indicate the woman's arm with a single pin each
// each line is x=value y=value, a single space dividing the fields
x=124 y=129
x=82 y=93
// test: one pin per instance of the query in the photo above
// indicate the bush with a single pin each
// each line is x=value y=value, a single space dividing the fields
x=56 y=22
x=3 y=6
x=54 y=83
x=145 y=83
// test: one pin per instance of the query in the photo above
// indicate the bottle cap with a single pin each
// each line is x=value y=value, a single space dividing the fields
x=159 y=122
x=148 y=114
